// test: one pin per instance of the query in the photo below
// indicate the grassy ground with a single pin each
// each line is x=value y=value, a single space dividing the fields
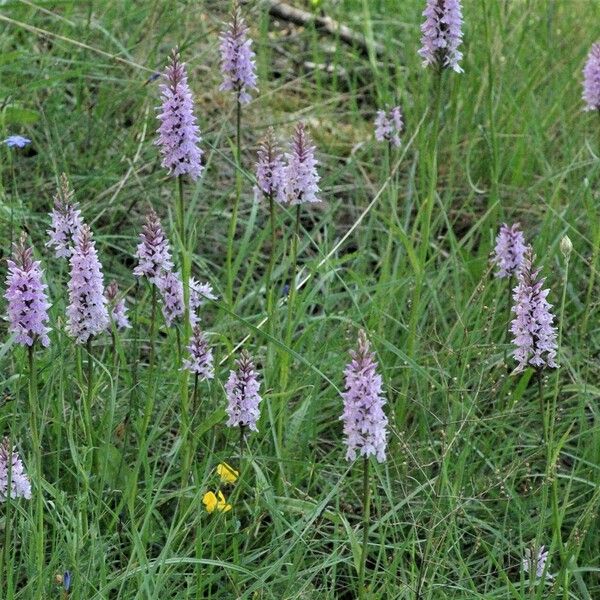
x=470 y=482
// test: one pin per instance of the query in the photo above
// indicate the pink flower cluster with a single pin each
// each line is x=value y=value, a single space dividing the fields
x=200 y=362
x=270 y=168
x=295 y=180
x=12 y=469
x=509 y=251
x=442 y=34
x=389 y=126
x=534 y=336
x=153 y=251
x=365 y=423
x=591 y=79
x=178 y=135
x=237 y=59
x=87 y=311
x=243 y=398
x=116 y=306
x=26 y=295
x=65 y=220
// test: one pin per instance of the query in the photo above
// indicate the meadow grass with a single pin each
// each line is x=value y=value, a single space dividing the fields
x=470 y=482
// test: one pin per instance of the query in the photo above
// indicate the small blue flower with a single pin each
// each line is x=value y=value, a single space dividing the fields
x=67 y=581
x=16 y=141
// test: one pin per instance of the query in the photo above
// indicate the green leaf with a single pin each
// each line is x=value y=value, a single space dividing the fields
x=521 y=386
x=355 y=545
x=110 y=466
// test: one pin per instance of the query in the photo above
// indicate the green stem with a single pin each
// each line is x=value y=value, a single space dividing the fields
x=292 y=278
x=187 y=438
x=551 y=469
x=151 y=388
x=152 y=327
x=90 y=370
x=185 y=260
x=178 y=336
x=180 y=210
x=238 y=131
x=269 y=291
x=195 y=396
x=37 y=453
x=289 y=323
x=362 y=591
x=184 y=397
x=136 y=350
x=113 y=346
x=271 y=265
x=542 y=407
x=241 y=447
x=236 y=203
x=87 y=403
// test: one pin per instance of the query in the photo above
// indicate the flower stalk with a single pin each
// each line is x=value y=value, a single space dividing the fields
x=366 y=493
x=37 y=456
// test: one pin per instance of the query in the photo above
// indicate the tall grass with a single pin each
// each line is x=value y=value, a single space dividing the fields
x=470 y=481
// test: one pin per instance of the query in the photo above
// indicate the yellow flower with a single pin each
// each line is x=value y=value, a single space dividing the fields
x=212 y=502
x=226 y=473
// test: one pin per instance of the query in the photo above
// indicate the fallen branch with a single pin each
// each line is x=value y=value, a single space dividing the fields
x=285 y=12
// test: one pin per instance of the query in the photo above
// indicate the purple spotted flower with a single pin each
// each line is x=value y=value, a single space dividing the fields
x=26 y=295
x=16 y=141
x=534 y=336
x=117 y=307
x=442 y=34
x=237 y=59
x=301 y=177
x=66 y=220
x=365 y=423
x=243 y=399
x=178 y=135
x=270 y=169
x=153 y=251
x=87 y=312
x=591 y=79
x=389 y=126
x=510 y=250
x=199 y=293
x=11 y=467
x=200 y=361
x=171 y=290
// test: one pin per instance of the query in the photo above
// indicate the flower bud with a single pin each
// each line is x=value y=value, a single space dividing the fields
x=566 y=246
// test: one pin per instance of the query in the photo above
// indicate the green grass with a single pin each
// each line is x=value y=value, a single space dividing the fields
x=468 y=484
